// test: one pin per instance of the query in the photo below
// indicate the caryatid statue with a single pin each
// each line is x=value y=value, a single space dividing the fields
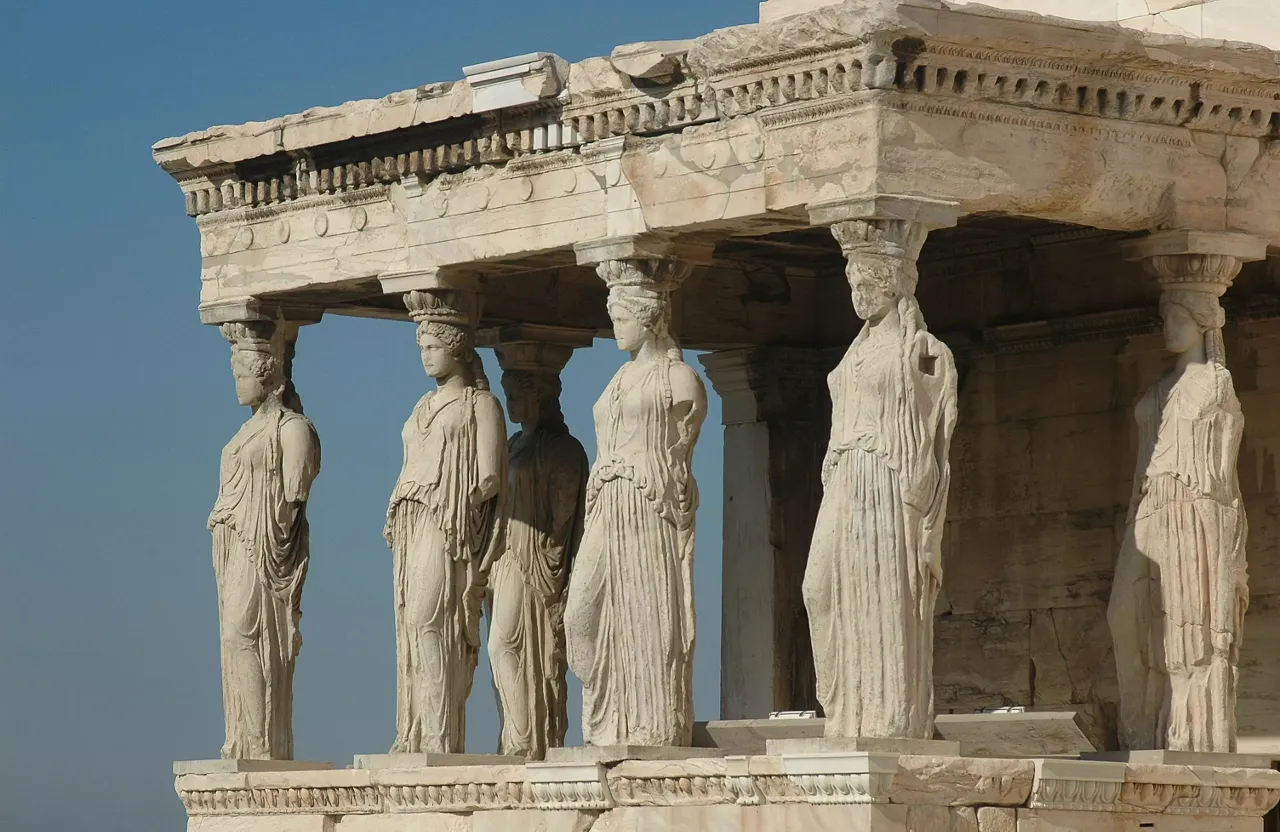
x=875 y=563
x=261 y=545
x=1181 y=590
x=629 y=617
x=445 y=526
x=545 y=495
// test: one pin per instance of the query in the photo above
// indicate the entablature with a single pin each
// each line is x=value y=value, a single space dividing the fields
x=999 y=112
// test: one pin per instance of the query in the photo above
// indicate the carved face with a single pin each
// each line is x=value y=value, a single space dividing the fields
x=522 y=404
x=1181 y=332
x=252 y=371
x=872 y=297
x=627 y=329
x=437 y=359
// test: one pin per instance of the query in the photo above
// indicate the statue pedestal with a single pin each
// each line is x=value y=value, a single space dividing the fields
x=400 y=762
x=608 y=754
x=749 y=736
x=1184 y=758
x=848 y=745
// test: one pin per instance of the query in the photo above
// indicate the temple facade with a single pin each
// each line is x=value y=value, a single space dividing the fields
x=1009 y=517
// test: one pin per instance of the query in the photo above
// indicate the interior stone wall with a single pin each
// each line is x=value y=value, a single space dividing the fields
x=1043 y=463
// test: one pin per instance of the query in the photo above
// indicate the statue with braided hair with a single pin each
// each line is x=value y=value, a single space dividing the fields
x=261 y=546
x=1180 y=592
x=629 y=618
x=875 y=563
x=445 y=527
x=547 y=481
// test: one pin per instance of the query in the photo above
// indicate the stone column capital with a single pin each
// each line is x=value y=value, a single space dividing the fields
x=431 y=278
x=643 y=247
x=242 y=310
x=761 y=384
x=1195 y=261
x=930 y=213
x=534 y=348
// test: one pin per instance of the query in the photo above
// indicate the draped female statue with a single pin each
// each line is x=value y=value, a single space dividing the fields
x=547 y=484
x=875 y=564
x=1181 y=591
x=261 y=547
x=444 y=525
x=629 y=617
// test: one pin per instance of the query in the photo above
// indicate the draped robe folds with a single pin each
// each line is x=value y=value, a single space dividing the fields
x=261 y=551
x=1181 y=582
x=548 y=477
x=443 y=548
x=629 y=617
x=875 y=565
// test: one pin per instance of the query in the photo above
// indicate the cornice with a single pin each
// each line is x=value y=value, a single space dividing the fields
x=941 y=78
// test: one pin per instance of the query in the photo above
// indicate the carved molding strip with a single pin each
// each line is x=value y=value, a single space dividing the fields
x=823 y=779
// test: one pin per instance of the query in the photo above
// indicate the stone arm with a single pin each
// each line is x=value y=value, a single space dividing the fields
x=300 y=459
x=491 y=450
x=688 y=401
x=935 y=357
x=569 y=488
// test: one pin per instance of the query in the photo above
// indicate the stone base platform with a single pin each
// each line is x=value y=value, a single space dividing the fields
x=411 y=761
x=1184 y=758
x=853 y=792
x=182 y=767
x=876 y=745
x=617 y=753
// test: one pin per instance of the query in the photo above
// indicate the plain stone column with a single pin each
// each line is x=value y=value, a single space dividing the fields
x=777 y=418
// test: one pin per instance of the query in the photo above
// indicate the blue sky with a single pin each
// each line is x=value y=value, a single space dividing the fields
x=116 y=401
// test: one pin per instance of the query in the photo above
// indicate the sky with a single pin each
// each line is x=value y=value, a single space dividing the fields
x=115 y=402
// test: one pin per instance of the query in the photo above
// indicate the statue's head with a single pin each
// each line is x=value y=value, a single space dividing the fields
x=446 y=334
x=531 y=395
x=1191 y=318
x=640 y=300
x=445 y=349
x=257 y=359
x=881 y=263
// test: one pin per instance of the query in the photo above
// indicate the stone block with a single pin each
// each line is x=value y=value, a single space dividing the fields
x=1070 y=379
x=961 y=781
x=748 y=736
x=1030 y=561
x=272 y=823
x=997 y=819
x=1025 y=734
x=1082 y=461
x=412 y=761
x=1044 y=820
x=607 y=754
x=873 y=745
x=981 y=662
x=182 y=767
x=1258 y=725
x=1183 y=758
x=1072 y=655
x=991 y=470
x=523 y=820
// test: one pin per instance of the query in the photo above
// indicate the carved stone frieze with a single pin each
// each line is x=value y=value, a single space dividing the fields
x=815 y=779
x=1095 y=786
